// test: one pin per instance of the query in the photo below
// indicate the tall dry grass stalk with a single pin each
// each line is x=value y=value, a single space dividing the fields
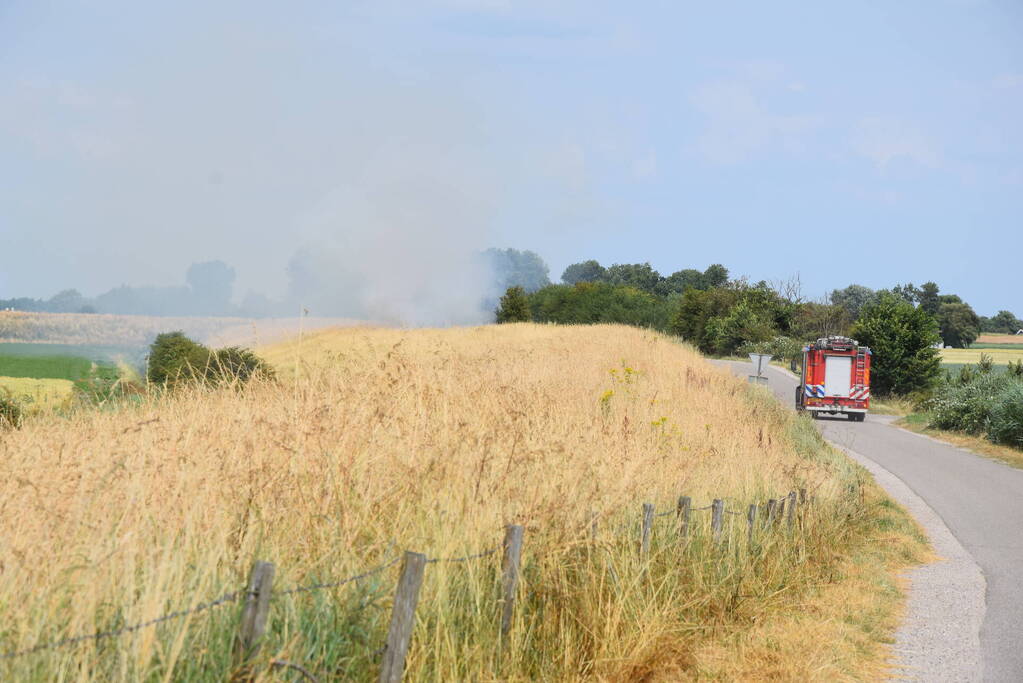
x=433 y=441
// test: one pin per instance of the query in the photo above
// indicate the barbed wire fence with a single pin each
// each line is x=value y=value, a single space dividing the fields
x=259 y=593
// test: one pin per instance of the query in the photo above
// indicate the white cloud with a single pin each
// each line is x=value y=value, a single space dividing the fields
x=884 y=140
x=739 y=123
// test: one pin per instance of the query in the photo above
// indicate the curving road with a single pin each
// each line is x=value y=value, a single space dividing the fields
x=981 y=503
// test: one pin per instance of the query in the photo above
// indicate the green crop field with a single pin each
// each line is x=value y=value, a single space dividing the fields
x=46 y=375
x=45 y=367
x=1006 y=347
x=133 y=355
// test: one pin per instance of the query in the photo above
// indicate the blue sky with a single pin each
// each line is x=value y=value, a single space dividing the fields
x=872 y=142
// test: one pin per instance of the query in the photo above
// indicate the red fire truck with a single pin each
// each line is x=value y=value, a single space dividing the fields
x=835 y=378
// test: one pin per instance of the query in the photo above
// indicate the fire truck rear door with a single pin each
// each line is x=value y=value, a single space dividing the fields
x=837 y=375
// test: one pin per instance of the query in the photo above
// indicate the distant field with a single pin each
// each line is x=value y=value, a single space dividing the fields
x=45 y=367
x=37 y=394
x=92 y=352
x=134 y=331
x=1000 y=356
x=997 y=346
x=1000 y=339
x=39 y=381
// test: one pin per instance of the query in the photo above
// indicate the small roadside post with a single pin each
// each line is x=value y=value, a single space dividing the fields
x=760 y=362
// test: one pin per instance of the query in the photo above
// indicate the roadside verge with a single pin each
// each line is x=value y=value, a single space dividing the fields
x=940 y=635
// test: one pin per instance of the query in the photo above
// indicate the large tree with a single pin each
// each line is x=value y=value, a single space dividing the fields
x=586 y=271
x=514 y=268
x=680 y=281
x=638 y=275
x=903 y=339
x=514 y=307
x=928 y=298
x=212 y=283
x=853 y=299
x=959 y=324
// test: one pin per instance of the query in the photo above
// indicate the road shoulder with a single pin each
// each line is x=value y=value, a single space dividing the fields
x=940 y=635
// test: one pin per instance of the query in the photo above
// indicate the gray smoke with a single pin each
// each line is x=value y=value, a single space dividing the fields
x=258 y=137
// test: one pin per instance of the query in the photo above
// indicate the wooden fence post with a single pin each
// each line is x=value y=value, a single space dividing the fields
x=716 y=518
x=255 y=612
x=792 y=509
x=510 y=576
x=685 y=505
x=751 y=518
x=648 y=522
x=403 y=617
x=771 y=505
x=802 y=496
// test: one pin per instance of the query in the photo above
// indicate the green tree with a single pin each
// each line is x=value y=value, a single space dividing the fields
x=959 y=325
x=514 y=306
x=681 y=280
x=908 y=291
x=586 y=271
x=928 y=298
x=813 y=320
x=1004 y=322
x=716 y=275
x=902 y=339
x=599 y=302
x=744 y=323
x=853 y=299
x=639 y=275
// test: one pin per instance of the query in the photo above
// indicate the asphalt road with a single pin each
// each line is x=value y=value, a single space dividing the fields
x=979 y=500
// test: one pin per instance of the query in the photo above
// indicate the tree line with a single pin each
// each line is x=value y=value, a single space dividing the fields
x=724 y=316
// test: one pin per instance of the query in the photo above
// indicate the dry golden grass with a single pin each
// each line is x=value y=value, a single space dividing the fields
x=380 y=440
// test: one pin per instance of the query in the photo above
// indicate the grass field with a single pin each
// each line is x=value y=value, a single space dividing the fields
x=93 y=352
x=376 y=441
x=999 y=356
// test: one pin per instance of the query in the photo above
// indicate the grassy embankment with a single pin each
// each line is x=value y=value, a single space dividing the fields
x=382 y=440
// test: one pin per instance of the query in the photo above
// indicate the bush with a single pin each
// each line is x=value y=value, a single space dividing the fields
x=174 y=358
x=10 y=412
x=780 y=347
x=1015 y=369
x=1006 y=421
x=233 y=363
x=966 y=407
